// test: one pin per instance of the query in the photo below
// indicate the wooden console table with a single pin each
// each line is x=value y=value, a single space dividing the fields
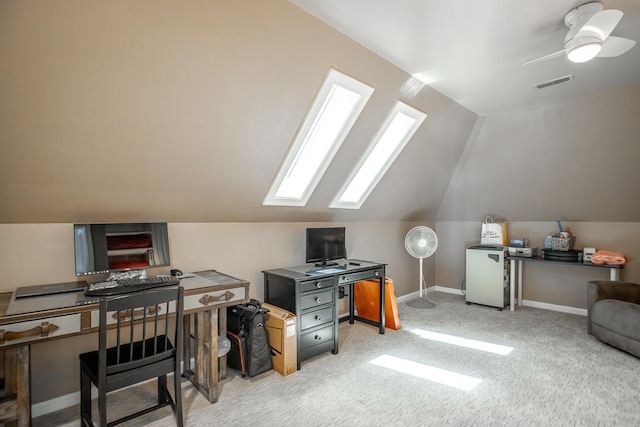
x=31 y=320
x=517 y=272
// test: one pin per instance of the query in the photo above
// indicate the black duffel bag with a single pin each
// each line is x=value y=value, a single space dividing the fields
x=250 y=353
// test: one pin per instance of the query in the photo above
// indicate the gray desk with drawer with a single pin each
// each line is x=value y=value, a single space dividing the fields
x=311 y=293
x=27 y=321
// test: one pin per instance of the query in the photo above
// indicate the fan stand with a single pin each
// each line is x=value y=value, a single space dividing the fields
x=421 y=302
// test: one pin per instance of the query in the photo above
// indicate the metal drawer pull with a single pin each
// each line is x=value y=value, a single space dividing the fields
x=318 y=300
x=318 y=317
x=208 y=299
x=318 y=338
x=124 y=315
x=42 y=331
x=377 y=274
x=318 y=285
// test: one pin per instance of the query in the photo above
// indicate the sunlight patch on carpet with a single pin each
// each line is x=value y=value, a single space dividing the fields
x=464 y=342
x=440 y=376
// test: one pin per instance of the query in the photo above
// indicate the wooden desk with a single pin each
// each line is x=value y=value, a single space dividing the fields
x=31 y=320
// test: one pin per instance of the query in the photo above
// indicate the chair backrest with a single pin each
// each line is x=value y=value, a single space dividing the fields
x=144 y=335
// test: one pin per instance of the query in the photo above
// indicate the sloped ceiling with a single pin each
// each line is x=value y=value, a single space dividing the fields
x=183 y=112
x=574 y=161
x=112 y=113
x=473 y=51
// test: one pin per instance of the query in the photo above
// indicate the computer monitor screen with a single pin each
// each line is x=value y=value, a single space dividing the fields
x=325 y=244
x=101 y=248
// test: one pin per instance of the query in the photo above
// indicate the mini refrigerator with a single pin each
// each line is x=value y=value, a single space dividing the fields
x=487 y=277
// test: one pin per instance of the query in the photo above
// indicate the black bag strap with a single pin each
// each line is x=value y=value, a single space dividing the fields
x=258 y=305
x=247 y=316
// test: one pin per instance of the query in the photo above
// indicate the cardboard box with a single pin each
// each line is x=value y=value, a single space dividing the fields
x=281 y=327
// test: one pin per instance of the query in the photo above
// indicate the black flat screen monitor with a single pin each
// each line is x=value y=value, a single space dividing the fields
x=102 y=248
x=325 y=244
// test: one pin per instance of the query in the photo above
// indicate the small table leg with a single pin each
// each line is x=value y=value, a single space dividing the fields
x=613 y=274
x=382 y=303
x=17 y=383
x=24 y=385
x=512 y=284
x=520 y=273
x=351 y=303
x=205 y=374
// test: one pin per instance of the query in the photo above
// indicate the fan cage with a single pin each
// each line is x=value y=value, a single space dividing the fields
x=413 y=238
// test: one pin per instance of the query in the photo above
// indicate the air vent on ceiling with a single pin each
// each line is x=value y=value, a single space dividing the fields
x=555 y=81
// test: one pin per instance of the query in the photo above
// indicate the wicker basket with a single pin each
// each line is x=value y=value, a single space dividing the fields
x=559 y=243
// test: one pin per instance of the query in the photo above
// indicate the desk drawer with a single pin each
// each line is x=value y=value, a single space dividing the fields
x=360 y=275
x=320 y=336
x=213 y=298
x=317 y=299
x=37 y=330
x=314 y=285
x=112 y=317
x=191 y=302
x=318 y=317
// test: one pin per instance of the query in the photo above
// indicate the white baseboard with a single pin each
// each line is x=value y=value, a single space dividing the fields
x=416 y=294
x=56 y=404
x=554 y=307
x=71 y=399
x=526 y=303
x=448 y=290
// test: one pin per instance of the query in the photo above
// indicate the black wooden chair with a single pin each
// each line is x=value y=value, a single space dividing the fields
x=149 y=347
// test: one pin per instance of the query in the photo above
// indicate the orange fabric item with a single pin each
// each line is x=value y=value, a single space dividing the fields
x=608 y=257
x=366 y=296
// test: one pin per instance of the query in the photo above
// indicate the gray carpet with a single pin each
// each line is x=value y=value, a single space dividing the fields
x=556 y=375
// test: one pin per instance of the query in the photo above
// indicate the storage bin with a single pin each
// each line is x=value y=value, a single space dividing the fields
x=559 y=243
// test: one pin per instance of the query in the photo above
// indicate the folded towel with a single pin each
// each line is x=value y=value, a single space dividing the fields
x=608 y=258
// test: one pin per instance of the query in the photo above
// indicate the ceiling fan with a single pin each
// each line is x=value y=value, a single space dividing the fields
x=589 y=34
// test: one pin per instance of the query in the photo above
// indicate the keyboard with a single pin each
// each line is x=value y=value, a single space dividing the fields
x=132 y=284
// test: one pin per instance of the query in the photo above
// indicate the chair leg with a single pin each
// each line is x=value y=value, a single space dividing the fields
x=102 y=405
x=162 y=390
x=85 y=399
x=178 y=397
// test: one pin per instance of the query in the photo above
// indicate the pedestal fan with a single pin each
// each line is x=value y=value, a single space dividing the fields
x=421 y=242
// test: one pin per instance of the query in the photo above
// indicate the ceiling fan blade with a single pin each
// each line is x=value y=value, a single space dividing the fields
x=615 y=46
x=601 y=24
x=546 y=57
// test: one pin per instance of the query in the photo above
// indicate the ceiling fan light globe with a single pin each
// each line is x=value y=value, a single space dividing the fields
x=584 y=52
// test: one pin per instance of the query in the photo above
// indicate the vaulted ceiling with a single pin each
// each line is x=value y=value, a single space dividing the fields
x=184 y=111
x=473 y=51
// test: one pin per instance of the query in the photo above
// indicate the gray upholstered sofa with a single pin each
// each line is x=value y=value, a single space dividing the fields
x=613 y=311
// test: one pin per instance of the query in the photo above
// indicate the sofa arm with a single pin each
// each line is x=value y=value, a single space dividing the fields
x=604 y=289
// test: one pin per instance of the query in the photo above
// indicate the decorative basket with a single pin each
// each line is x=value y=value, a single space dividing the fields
x=559 y=243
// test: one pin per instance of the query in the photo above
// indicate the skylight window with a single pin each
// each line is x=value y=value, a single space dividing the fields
x=396 y=131
x=330 y=118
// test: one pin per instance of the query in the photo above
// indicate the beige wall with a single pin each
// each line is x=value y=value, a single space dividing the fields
x=575 y=160
x=33 y=254
x=543 y=283
x=183 y=111
x=43 y=253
